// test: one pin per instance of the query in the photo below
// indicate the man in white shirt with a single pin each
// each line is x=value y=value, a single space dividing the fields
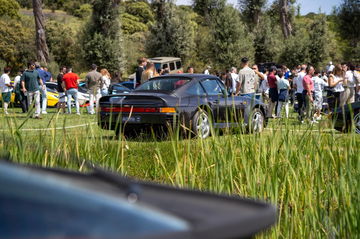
x=319 y=84
x=207 y=70
x=298 y=85
x=330 y=67
x=348 y=95
x=6 y=88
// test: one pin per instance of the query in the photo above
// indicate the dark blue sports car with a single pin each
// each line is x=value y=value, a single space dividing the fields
x=198 y=103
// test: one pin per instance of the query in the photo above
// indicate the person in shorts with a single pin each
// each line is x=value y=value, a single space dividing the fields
x=319 y=84
x=6 y=89
x=273 y=91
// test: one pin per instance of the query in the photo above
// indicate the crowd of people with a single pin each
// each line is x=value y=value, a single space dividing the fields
x=29 y=87
x=304 y=87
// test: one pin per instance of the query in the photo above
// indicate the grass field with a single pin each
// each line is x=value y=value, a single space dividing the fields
x=311 y=173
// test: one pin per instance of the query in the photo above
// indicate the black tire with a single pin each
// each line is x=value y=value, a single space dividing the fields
x=256 y=123
x=201 y=125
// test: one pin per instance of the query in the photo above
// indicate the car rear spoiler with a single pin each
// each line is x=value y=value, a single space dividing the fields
x=37 y=202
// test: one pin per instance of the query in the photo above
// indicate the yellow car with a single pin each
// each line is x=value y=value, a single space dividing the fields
x=52 y=98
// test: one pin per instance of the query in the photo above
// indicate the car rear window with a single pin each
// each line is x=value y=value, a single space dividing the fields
x=163 y=84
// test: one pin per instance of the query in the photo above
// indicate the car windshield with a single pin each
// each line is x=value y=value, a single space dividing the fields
x=163 y=84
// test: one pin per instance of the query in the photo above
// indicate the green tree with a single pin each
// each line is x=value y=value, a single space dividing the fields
x=173 y=32
x=205 y=8
x=9 y=8
x=102 y=41
x=348 y=15
x=62 y=43
x=318 y=42
x=251 y=11
x=17 y=43
x=268 y=40
x=229 y=42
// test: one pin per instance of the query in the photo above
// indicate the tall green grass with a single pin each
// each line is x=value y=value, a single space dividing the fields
x=312 y=177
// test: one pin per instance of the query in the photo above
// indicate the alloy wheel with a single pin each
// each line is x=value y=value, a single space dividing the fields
x=203 y=125
x=357 y=123
x=257 y=122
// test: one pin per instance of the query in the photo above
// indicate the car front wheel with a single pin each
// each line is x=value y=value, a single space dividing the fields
x=256 y=121
x=201 y=124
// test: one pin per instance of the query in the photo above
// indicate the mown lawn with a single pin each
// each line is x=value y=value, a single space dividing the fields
x=311 y=173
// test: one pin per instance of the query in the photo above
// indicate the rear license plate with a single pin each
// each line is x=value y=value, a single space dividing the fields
x=132 y=119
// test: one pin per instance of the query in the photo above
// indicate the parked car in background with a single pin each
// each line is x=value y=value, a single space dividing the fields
x=347 y=119
x=83 y=96
x=172 y=63
x=118 y=88
x=52 y=97
x=128 y=84
x=198 y=102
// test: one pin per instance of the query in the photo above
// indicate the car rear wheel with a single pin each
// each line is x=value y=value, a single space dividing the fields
x=201 y=126
x=256 y=121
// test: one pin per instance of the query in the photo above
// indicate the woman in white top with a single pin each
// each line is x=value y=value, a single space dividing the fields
x=105 y=82
x=336 y=83
x=283 y=86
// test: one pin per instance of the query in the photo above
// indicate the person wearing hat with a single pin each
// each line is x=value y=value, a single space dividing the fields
x=93 y=79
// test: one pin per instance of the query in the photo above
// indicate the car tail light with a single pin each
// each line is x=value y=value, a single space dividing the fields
x=168 y=110
x=138 y=109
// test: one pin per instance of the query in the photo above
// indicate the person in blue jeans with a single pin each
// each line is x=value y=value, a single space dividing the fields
x=70 y=83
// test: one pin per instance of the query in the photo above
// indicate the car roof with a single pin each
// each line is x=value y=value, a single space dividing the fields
x=183 y=75
x=163 y=59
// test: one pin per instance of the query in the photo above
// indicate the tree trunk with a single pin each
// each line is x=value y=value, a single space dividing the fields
x=285 y=20
x=42 y=51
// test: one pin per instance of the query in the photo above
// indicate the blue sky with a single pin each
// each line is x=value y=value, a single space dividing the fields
x=306 y=5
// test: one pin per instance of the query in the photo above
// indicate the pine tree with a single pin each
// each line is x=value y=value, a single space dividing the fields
x=172 y=33
x=318 y=42
x=229 y=42
x=102 y=41
x=251 y=11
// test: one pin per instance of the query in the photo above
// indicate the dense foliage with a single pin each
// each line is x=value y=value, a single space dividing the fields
x=209 y=32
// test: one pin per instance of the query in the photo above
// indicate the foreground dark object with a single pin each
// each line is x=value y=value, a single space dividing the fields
x=50 y=203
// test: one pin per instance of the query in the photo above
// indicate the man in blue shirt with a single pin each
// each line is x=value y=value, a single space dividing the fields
x=45 y=76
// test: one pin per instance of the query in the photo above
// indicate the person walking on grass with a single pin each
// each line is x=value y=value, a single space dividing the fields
x=19 y=95
x=336 y=83
x=30 y=85
x=142 y=62
x=319 y=84
x=348 y=95
x=105 y=82
x=70 y=84
x=298 y=86
x=93 y=81
x=60 y=88
x=308 y=92
x=247 y=81
x=283 y=86
x=6 y=89
x=45 y=77
x=273 y=91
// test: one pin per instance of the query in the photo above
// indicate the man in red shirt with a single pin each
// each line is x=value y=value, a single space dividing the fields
x=308 y=92
x=273 y=92
x=70 y=84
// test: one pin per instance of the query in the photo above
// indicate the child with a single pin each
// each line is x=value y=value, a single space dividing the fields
x=283 y=86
